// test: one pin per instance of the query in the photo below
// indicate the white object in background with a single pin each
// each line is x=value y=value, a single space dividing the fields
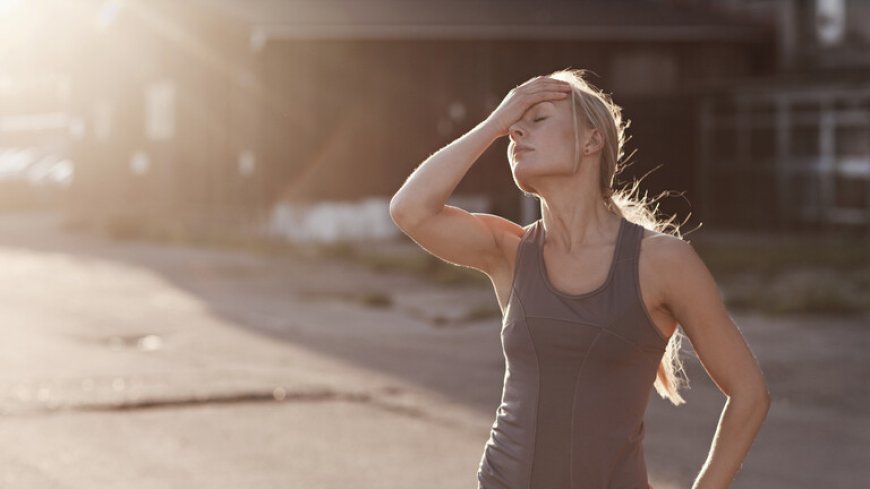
x=366 y=219
x=103 y=111
x=329 y=222
x=830 y=21
x=76 y=128
x=160 y=111
x=247 y=162
x=140 y=163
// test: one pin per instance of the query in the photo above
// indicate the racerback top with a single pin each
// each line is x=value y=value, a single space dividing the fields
x=578 y=374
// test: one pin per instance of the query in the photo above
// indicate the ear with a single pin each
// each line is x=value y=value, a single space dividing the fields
x=594 y=141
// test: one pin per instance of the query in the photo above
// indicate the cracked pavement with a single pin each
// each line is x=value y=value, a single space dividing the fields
x=140 y=365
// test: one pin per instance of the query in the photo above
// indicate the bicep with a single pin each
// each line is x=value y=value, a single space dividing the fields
x=460 y=237
x=695 y=300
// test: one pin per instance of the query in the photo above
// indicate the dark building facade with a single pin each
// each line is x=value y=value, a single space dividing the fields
x=220 y=109
x=791 y=149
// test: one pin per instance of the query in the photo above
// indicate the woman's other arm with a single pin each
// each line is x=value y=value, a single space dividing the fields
x=693 y=298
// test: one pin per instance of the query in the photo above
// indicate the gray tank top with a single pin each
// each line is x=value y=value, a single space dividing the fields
x=579 y=370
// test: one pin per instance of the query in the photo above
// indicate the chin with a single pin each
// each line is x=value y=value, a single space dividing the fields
x=528 y=169
x=522 y=184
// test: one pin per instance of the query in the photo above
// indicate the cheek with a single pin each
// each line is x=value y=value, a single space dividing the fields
x=559 y=144
x=568 y=135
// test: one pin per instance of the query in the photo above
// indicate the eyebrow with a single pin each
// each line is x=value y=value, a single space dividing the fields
x=538 y=106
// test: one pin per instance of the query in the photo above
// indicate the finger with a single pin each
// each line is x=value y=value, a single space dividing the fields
x=551 y=89
x=550 y=85
x=556 y=87
x=543 y=80
x=538 y=97
x=550 y=80
x=530 y=80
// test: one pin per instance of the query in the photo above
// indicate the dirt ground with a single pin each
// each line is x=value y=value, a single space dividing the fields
x=149 y=365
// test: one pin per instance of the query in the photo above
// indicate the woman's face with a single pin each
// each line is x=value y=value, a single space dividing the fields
x=546 y=129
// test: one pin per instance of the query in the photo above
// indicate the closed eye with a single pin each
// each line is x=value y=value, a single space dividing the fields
x=539 y=119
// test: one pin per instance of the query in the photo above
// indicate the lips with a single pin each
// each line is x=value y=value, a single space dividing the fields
x=518 y=149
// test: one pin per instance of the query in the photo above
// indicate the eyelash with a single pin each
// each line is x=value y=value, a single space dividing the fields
x=539 y=119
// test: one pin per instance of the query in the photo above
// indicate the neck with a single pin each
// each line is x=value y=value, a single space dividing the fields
x=570 y=224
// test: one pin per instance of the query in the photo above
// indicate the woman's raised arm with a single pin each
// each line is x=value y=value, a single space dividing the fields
x=419 y=207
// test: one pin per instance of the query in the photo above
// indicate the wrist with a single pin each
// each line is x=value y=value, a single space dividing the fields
x=491 y=129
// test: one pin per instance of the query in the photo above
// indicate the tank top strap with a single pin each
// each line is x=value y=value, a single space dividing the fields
x=633 y=237
x=620 y=261
x=627 y=239
x=525 y=264
x=627 y=244
x=535 y=234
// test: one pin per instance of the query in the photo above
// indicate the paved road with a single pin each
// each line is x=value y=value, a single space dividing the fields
x=142 y=365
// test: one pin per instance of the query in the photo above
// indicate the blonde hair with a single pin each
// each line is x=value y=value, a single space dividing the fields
x=598 y=111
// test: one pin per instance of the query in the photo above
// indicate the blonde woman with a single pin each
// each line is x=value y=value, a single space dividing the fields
x=591 y=295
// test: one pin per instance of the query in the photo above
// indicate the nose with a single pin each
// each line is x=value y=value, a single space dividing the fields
x=516 y=132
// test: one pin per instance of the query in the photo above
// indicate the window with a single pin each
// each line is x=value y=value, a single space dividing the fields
x=644 y=71
x=830 y=21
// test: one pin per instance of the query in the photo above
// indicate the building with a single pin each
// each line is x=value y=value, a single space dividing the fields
x=791 y=149
x=222 y=111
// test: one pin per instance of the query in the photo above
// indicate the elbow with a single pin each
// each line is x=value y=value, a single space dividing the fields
x=766 y=401
x=405 y=214
x=758 y=400
x=762 y=403
x=763 y=397
x=395 y=205
x=398 y=210
x=401 y=214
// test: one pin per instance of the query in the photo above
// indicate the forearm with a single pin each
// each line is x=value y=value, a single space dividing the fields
x=429 y=187
x=740 y=421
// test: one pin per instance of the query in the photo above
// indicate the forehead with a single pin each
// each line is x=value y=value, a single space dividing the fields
x=552 y=105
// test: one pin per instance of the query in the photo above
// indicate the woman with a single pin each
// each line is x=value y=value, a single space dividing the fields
x=591 y=299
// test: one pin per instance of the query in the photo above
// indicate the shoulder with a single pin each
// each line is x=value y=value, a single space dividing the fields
x=506 y=232
x=667 y=251
x=664 y=246
x=676 y=262
x=670 y=256
x=507 y=235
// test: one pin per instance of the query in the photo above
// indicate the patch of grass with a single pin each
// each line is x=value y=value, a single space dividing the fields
x=801 y=275
x=340 y=250
x=447 y=274
x=126 y=227
x=481 y=313
x=822 y=300
x=474 y=314
x=376 y=299
x=863 y=281
x=772 y=258
x=783 y=295
x=440 y=321
x=131 y=226
x=767 y=264
x=420 y=264
x=415 y=264
x=817 y=301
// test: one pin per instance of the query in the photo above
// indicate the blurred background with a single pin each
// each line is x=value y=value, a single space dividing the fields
x=202 y=286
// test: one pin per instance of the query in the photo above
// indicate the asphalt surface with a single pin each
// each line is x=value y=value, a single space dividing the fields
x=142 y=365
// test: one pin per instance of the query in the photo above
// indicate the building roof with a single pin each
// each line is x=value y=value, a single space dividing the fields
x=620 y=20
